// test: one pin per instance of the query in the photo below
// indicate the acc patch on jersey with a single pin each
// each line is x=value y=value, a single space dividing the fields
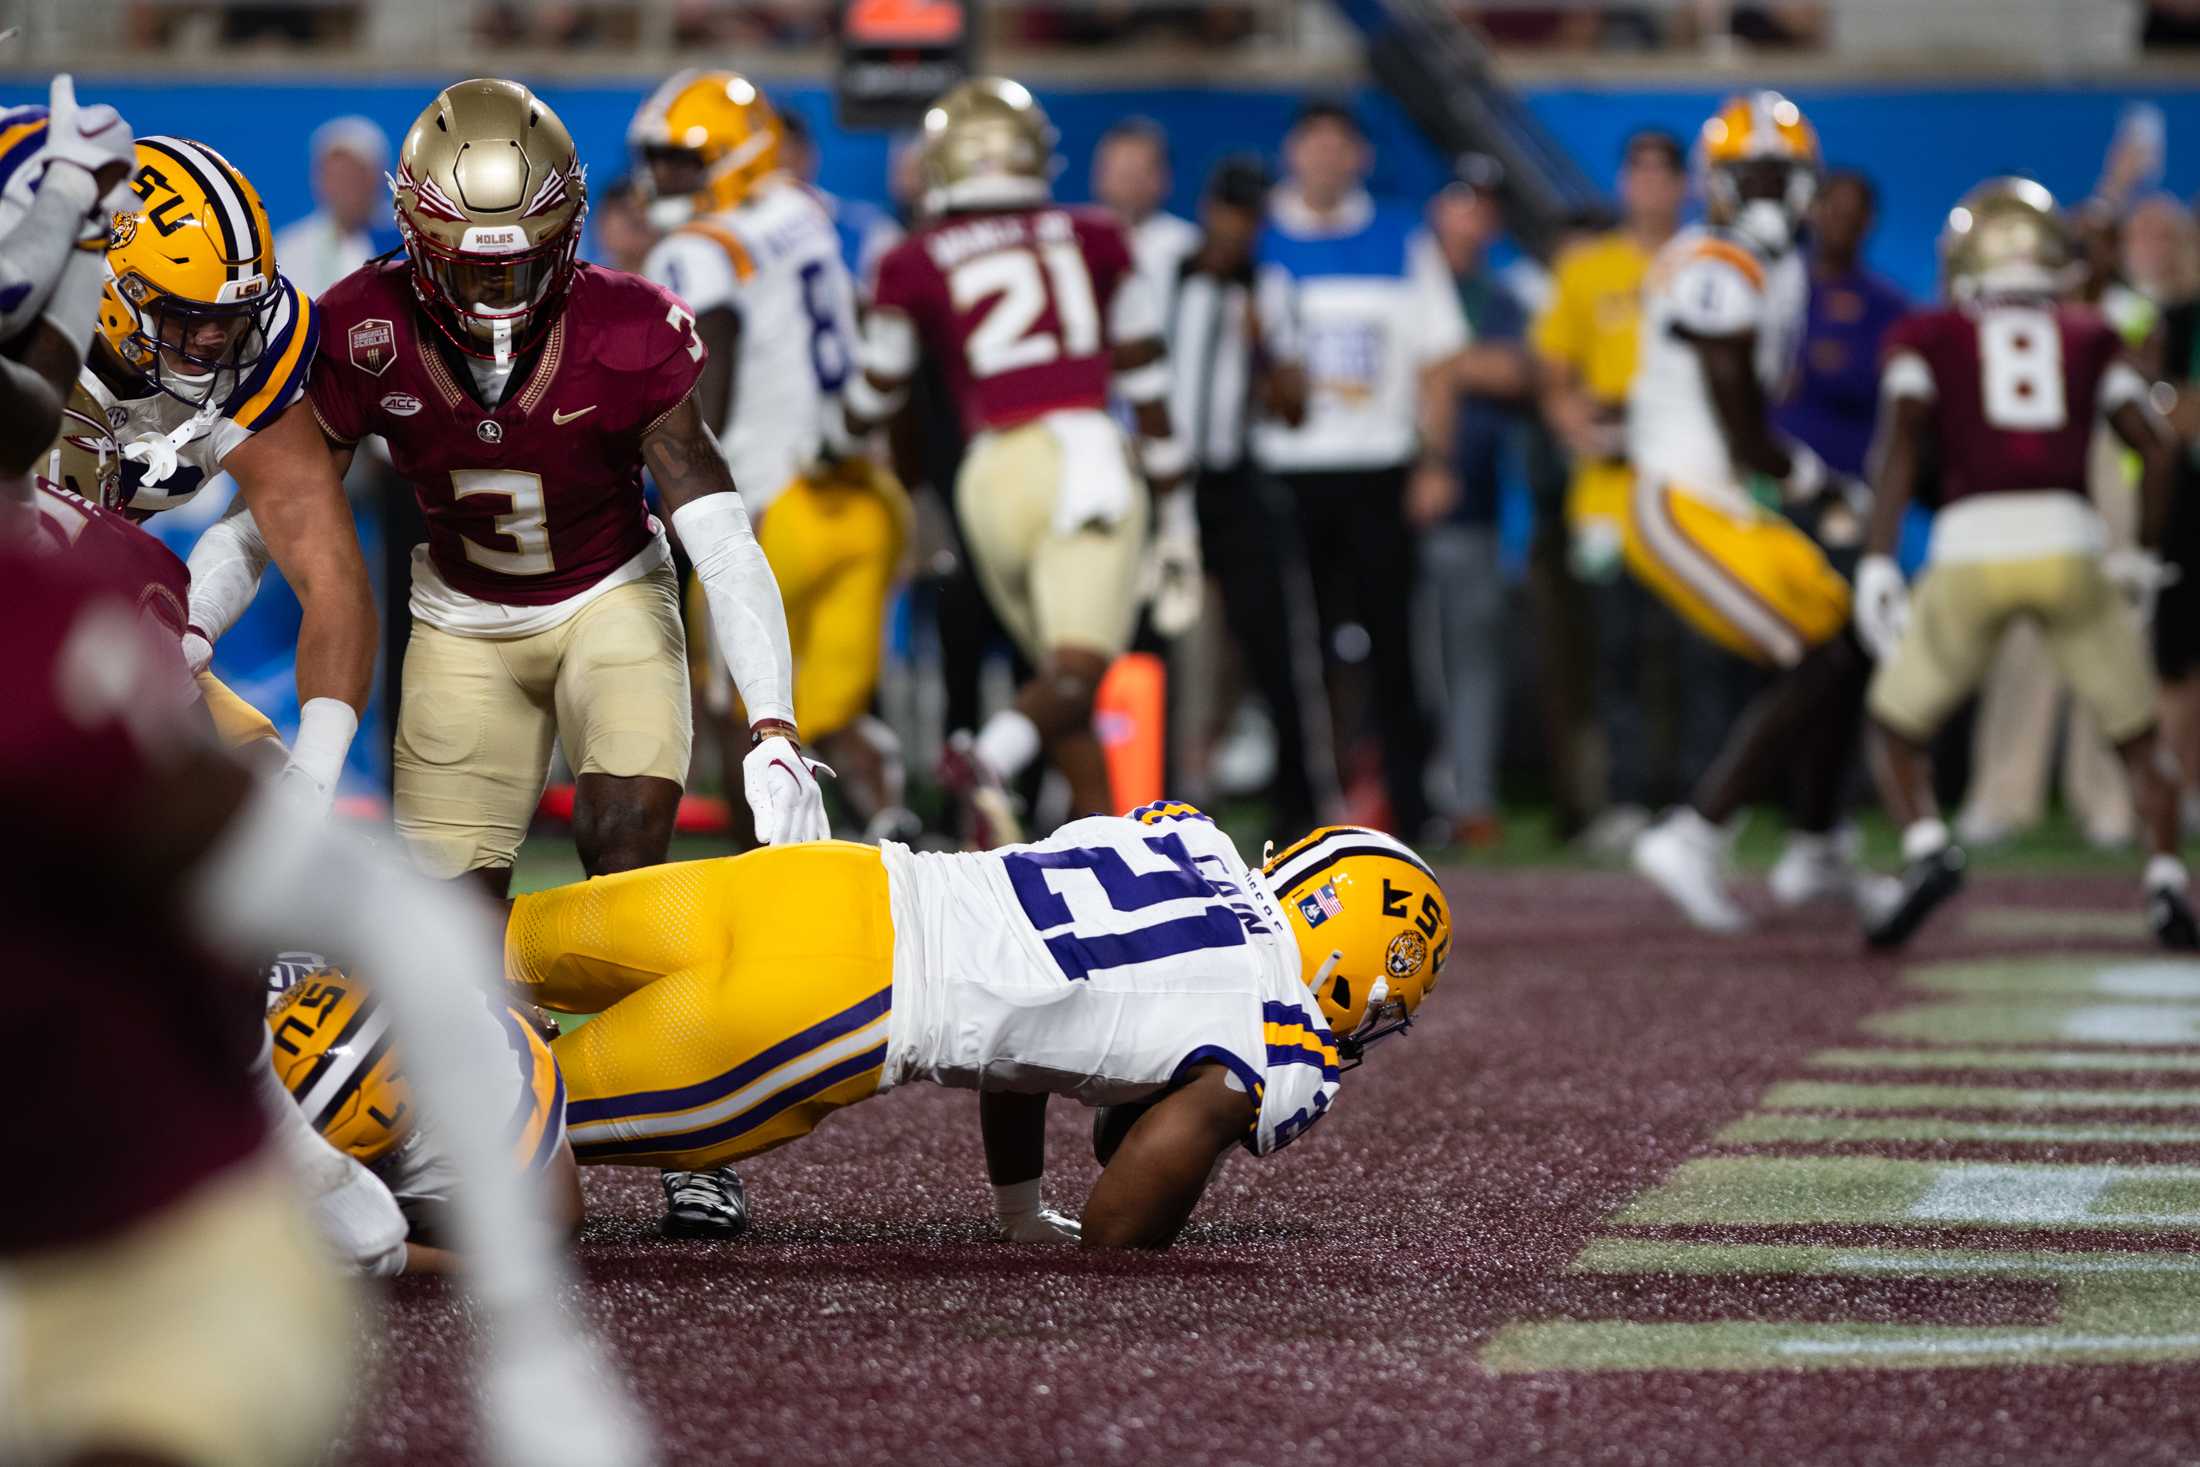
x=373 y=346
x=1319 y=905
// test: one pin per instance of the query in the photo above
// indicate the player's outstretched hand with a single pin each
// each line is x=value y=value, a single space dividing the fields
x=1882 y=605
x=549 y=1405
x=94 y=138
x=781 y=784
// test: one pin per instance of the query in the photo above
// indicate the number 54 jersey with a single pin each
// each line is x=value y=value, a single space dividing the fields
x=533 y=505
x=1103 y=963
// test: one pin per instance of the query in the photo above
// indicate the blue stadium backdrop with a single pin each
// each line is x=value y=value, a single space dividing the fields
x=2057 y=134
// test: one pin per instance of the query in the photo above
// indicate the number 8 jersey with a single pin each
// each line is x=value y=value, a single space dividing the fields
x=534 y=505
x=1103 y=963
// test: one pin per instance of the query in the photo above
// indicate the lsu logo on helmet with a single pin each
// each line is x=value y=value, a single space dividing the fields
x=332 y=1053
x=1372 y=924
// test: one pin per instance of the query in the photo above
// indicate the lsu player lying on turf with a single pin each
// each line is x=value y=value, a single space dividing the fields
x=521 y=393
x=2009 y=383
x=1038 y=316
x=1135 y=964
x=1723 y=312
x=757 y=257
x=199 y=367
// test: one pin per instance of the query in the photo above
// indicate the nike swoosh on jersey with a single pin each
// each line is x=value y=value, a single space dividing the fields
x=562 y=418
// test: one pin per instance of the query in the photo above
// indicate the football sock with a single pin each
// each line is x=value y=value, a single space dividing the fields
x=1924 y=838
x=1008 y=742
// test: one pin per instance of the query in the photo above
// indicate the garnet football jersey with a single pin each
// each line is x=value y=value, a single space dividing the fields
x=2016 y=389
x=1019 y=306
x=538 y=499
x=126 y=558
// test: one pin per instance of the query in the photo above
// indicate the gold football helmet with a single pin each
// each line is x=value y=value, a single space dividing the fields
x=490 y=198
x=2007 y=237
x=1372 y=925
x=1757 y=160
x=86 y=460
x=191 y=270
x=987 y=145
x=701 y=143
x=332 y=1052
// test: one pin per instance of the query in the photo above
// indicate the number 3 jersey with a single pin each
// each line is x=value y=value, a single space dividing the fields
x=775 y=262
x=534 y=506
x=1103 y=964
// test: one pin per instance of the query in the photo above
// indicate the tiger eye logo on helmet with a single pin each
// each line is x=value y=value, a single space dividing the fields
x=1408 y=952
x=123 y=228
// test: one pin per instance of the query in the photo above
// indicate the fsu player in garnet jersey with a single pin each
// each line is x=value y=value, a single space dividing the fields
x=1038 y=315
x=521 y=394
x=2010 y=384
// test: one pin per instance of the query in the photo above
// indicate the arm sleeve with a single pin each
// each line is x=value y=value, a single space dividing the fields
x=745 y=607
x=1439 y=325
x=226 y=566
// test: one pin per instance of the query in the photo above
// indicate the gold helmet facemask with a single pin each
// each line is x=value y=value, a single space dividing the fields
x=191 y=273
x=490 y=198
x=2007 y=237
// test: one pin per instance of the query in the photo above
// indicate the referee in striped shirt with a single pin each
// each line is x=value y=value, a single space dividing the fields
x=1233 y=343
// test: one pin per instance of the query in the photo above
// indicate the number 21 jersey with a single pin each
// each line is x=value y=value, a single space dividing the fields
x=535 y=504
x=1103 y=963
x=1020 y=305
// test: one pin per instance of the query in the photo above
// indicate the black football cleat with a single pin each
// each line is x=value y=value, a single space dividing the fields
x=708 y=1204
x=2169 y=913
x=1926 y=883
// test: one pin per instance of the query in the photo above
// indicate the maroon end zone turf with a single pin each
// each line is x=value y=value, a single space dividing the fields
x=1328 y=1306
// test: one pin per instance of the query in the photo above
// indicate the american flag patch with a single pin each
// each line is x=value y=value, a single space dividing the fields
x=1320 y=905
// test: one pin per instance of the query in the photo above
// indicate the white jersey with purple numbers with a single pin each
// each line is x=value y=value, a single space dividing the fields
x=1103 y=963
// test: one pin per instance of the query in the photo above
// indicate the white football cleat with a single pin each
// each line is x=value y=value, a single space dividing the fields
x=1816 y=868
x=1684 y=856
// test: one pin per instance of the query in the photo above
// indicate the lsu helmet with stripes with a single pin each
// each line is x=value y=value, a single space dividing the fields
x=1757 y=159
x=2007 y=237
x=490 y=197
x=191 y=264
x=701 y=143
x=332 y=1052
x=1372 y=925
x=987 y=145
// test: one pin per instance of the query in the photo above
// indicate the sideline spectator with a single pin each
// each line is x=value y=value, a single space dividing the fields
x=351 y=221
x=1232 y=342
x=1835 y=399
x=620 y=221
x=1382 y=331
x=1131 y=176
x=1646 y=662
x=1459 y=550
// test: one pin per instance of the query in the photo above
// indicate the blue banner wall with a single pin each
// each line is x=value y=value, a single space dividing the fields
x=1923 y=145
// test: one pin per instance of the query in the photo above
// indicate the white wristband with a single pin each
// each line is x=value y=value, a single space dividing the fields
x=1165 y=458
x=1149 y=383
x=325 y=730
x=867 y=402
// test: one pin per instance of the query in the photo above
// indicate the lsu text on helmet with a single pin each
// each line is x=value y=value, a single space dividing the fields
x=1757 y=161
x=701 y=143
x=1372 y=924
x=987 y=145
x=191 y=272
x=490 y=198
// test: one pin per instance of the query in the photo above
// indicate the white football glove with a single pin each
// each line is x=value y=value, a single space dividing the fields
x=2140 y=575
x=1023 y=1218
x=90 y=138
x=1178 y=585
x=783 y=794
x=549 y=1404
x=198 y=652
x=1882 y=605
